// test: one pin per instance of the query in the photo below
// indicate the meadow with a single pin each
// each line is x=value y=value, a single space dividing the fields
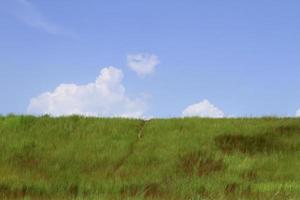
x=182 y=158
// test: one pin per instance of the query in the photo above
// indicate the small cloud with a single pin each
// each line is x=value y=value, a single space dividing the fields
x=104 y=97
x=203 y=109
x=142 y=63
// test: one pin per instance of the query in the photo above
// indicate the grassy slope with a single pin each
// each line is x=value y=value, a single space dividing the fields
x=92 y=158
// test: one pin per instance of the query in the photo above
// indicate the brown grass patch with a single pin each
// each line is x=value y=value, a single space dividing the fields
x=19 y=193
x=208 y=166
x=272 y=140
x=189 y=161
x=231 y=188
x=27 y=156
x=153 y=190
x=287 y=130
x=73 y=190
x=250 y=175
x=268 y=142
x=249 y=144
x=199 y=163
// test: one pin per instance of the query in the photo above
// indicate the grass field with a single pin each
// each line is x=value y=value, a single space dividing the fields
x=192 y=158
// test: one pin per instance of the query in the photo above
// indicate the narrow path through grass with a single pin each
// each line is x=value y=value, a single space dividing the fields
x=131 y=147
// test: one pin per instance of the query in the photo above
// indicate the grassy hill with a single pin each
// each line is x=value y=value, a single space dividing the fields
x=97 y=158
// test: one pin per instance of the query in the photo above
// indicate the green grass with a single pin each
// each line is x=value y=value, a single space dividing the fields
x=192 y=158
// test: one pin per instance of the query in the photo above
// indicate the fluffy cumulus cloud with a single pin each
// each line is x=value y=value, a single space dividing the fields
x=104 y=97
x=142 y=63
x=203 y=109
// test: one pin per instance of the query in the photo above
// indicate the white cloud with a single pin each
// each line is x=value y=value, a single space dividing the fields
x=142 y=63
x=203 y=109
x=104 y=97
x=26 y=12
x=298 y=113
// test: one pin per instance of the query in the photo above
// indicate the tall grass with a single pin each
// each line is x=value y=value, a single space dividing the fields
x=111 y=158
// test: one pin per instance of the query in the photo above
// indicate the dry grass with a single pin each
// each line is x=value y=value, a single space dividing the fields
x=251 y=144
x=200 y=164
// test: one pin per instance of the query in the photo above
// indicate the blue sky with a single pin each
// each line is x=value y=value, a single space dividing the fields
x=151 y=58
